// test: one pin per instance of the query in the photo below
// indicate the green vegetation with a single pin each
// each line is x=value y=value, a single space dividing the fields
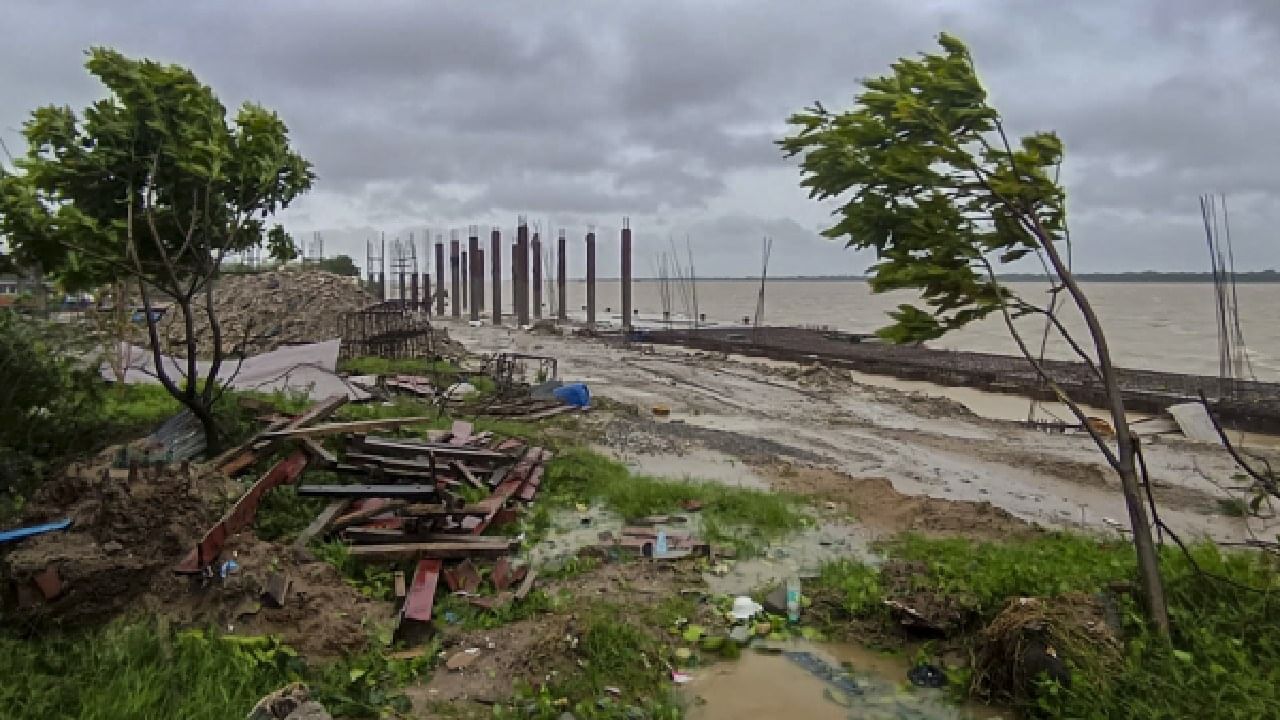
x=453 y=610
x=178 y=187
x=738 y=515
x=283 y=513
x=614 y=649
x=397 y=366
x=1219 y=661
x=136 y=670
x=374 y=580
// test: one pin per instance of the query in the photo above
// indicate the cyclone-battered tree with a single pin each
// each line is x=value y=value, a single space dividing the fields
x=152 y=186
x=929 y=180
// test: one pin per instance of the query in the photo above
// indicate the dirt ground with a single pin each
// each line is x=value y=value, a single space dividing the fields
x=117 y=560
x=732 y=418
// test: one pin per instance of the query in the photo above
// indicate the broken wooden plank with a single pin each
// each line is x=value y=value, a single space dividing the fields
x=463 y=577
x=348 y=427
x=1194 y=422
x=460 y=432
x=406 y=448
x=276 y=591
x=397 y=581
x=374 y=536
x=443 y=550
x=526 y=585
x=322 y=457
x=465 y=473
x=321 y=522
x=370 y=511
x=407 y=492
x=502 y=573
x=422 y=592
x=436 y=510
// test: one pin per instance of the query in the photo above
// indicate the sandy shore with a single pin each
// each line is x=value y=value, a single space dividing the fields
x=735 y=415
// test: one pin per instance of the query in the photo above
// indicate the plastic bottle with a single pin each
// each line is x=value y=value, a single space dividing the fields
x=793 y=598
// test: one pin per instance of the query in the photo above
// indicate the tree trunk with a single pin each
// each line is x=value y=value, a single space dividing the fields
x=1144 y=546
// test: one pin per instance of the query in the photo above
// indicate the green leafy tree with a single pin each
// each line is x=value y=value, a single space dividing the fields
x=929 y=180
x=339 y=265
x=152 y=186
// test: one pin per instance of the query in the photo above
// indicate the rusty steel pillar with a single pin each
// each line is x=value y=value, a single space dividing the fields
x=536 y=259
x=413 y=290
x=426 y=290
x=591 y=279
x=475 y=269
x=455 y=276
x=477 y=281
x=440 y=275
x=562 y=311
x=464 y=272
x=626 y=273
x=522 y=293
x=495 y=252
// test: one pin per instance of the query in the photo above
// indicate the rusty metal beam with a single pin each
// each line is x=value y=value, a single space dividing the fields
x=241 y=515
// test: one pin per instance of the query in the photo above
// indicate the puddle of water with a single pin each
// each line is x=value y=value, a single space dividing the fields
x=764 y=687
x=802 y=552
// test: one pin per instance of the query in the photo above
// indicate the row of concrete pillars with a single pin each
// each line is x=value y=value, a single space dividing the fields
x=466 y=279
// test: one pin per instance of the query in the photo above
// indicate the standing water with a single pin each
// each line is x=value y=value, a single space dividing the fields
x=760 y=686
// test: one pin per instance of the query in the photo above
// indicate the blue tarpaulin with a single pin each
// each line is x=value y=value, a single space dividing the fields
x=575 y=394
x=26 y=532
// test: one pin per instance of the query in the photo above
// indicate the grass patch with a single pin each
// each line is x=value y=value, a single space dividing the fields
x=397 y=366
x=1225 y=644
x=581 y=475
x=373 y=580
x=283 y=513
x=613 y=651
x=453 y=610
x=137 y=670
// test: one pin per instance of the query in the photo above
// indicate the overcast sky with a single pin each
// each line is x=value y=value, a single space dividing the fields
x=443 y=114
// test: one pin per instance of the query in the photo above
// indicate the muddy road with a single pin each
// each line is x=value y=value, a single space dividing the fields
x=732 y=418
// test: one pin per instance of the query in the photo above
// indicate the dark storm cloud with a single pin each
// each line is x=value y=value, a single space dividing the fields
x=443 y=114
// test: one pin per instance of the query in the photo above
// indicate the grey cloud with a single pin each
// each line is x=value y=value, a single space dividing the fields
x=581 y=113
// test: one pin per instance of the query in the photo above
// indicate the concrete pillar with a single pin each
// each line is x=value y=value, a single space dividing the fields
x=522 y=253
x=495 y=253
x=440 y=275
x=561 y=281
x=455 y=278
x=426 y=291
x=464 y=272
x=536 y=259
x=591 y=278
x=475 y=269
x=413 y=290
x=626 y=273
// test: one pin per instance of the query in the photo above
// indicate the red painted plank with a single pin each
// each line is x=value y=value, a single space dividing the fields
x=241 y=515
x=422 y=593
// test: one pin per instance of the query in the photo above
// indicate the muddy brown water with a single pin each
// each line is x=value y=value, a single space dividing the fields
x=767 y=686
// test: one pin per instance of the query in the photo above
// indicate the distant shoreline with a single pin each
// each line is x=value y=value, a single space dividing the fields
x=1243 y=278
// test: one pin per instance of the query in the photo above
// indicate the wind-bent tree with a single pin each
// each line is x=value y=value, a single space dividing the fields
x=152 y=186
x=930 y=181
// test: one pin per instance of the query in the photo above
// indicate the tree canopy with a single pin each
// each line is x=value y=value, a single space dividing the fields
x=152 y=186
x=155 y=159
x=931 y=183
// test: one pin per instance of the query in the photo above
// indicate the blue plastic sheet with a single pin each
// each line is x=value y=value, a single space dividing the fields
x=26 y=532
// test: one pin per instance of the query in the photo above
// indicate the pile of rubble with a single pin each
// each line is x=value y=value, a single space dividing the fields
x=260 y=312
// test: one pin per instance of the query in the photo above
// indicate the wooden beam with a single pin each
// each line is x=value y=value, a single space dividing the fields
x=441 y=550
x=348 y=427
x=321 y=522
x=407 y=492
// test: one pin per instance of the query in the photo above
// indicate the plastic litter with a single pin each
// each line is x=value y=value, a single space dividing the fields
x=925 y=675
x=228 y=567
x=575 y=394
x=744 y=608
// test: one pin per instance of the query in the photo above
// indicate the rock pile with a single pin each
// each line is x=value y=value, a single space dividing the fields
x=260 y=312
